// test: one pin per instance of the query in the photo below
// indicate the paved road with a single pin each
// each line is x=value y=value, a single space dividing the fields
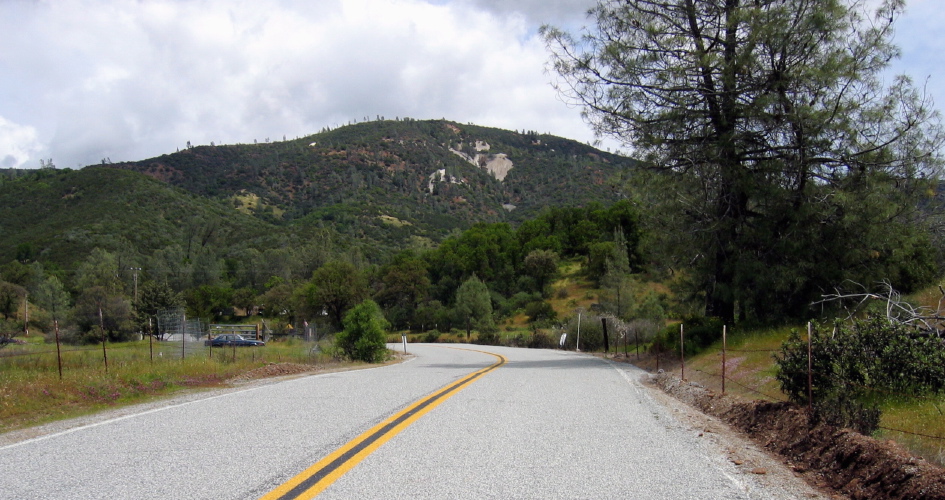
x=546 y=424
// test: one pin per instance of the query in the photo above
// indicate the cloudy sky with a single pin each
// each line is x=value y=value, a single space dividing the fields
x=82 y=80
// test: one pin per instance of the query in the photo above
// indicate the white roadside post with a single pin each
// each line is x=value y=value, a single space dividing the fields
x=577 y=344
x=403 y=336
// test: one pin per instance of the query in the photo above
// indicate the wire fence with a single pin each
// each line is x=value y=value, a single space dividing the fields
x=171 y=336
x=726 y=375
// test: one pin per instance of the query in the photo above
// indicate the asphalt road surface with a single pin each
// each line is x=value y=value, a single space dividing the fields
x=543 y=424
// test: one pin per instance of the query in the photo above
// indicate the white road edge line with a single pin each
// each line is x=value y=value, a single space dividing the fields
x=169 y=407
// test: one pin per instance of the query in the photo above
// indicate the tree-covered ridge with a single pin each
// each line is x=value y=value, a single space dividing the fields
x=57 y=215
x=60 y=217
x=385 y=171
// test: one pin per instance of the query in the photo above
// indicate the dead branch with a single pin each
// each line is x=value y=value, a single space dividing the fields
x=897 y=309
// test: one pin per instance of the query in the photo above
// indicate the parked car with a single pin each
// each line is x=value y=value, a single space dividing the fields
x=232 y=339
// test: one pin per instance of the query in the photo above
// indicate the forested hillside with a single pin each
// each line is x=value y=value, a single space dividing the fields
x=58 y=216
x=391 y=180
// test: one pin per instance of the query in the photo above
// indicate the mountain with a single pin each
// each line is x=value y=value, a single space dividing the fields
x=371 y=187
x=392 y=180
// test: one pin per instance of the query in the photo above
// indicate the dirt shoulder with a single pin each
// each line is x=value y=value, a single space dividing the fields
x=830 y=458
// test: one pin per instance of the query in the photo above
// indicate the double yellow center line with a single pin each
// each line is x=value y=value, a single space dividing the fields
x=316 y=478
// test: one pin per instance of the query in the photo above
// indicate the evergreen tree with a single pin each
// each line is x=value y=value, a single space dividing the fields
x=775 y=141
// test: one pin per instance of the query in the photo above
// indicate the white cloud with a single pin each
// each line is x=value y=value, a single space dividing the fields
x=128 y=80
x=17 y=144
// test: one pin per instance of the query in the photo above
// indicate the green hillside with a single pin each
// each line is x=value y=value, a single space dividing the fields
x=393 y=180
x=58 y=216
x=369 y=188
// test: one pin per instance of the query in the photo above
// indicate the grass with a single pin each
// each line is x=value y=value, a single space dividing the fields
x=920 y=418
x=749 y=365
x=750 y=373
x=32 y=393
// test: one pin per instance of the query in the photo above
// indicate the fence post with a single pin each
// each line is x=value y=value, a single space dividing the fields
x=577 y=343
x=183 y=333
x=682 y=352
x=603 y=322
x=724 y=345
x=810 y=372
x=101 y=324
x=151 y=339
x=26 y=314
x=58 y=352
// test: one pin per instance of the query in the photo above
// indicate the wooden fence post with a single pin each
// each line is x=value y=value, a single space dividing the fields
x=724 y=345
x=810 y=372
x=101 y=324
x=603 y=321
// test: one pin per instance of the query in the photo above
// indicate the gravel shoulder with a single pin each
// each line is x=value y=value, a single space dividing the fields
x=839 y=461
x=757 y=469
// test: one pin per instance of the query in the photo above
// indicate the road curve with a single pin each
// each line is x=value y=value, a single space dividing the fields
x=546 y=424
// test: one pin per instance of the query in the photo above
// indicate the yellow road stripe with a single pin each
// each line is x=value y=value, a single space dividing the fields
x=316 y=478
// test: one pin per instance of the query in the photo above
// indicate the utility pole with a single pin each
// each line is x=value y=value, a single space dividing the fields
x=136 y=269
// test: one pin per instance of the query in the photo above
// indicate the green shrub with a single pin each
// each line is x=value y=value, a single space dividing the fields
x=855 y=366
x=489 y=337
x=540 y=310
x=591 y=333
x=541 y=340
x=518 y=301
x=363 y=337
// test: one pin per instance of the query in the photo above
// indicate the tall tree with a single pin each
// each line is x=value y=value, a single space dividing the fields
x=337 y=286
x=51 y=295
x=541 y=266
x=99 y=269
x=97 y=307
x=403 y=284
x=474 y=306
x=208 y=301
x=11 y=299
x=777 y=142
x=616 y=280
x=154 y=297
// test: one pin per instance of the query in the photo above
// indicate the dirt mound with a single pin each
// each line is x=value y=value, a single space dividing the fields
x=846 y=461
x=273 y=370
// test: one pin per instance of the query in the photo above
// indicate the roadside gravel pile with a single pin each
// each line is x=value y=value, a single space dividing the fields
x=274 y=370
x=847 y=462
